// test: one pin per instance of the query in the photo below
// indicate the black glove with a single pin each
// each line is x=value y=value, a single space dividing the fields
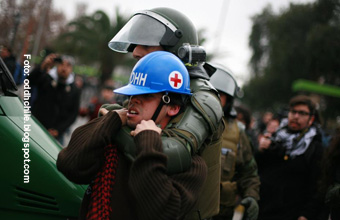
x=252 y=208
x=333 y=195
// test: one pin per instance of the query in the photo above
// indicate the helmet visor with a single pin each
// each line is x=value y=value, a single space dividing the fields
x=139 y=30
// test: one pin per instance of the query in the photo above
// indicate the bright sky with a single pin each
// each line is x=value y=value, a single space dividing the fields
x=227 y=23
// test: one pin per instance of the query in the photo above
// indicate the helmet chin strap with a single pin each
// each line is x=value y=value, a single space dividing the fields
x=165 y=100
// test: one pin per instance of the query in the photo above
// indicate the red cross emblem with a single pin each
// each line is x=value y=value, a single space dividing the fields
x=175 y=80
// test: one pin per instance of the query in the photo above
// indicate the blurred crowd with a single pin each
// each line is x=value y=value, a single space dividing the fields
x=297 y=168
x=60 y=98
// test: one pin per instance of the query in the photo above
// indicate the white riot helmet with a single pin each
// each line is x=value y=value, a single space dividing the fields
x=223 y=80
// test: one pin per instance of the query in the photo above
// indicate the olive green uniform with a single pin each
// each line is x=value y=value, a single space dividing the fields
x=238 y=171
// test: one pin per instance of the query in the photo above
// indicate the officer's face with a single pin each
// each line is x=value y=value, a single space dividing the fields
x=223 y=98
x=140 y=50
x=299 y=118
x=142 y=107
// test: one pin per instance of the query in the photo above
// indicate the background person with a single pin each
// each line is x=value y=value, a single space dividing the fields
x=57 y=97
x=271 y=127
x=13 y=66
x=289 y=165
x=8 y=58
x=244 y=116
x=106 y=96
x=330 y=179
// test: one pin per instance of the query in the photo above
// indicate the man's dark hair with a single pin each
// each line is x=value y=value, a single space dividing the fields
x=178 y=99
x=303 y=100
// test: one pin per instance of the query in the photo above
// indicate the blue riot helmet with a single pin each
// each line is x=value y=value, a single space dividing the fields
x=158 y=71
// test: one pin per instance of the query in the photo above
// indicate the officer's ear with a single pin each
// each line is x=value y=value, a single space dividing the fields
x=173 y=110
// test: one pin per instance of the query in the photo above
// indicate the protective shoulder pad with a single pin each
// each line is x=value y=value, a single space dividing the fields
x=178 y=152
x=179 y=156
x=205 y=99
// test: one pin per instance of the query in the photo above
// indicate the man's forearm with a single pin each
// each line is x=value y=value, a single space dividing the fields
x=172 y=195
x=84 y=155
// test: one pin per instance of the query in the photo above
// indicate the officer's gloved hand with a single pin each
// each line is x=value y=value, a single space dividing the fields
x=333 y=195
x=252 y=208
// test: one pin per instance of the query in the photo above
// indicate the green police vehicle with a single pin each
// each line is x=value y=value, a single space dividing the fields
x=31 y=186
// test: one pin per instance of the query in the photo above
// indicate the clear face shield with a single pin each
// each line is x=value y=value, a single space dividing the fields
x=144 y=28
x=223 y=80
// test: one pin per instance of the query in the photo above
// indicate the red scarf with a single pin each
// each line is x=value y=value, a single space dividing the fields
x=100 y=202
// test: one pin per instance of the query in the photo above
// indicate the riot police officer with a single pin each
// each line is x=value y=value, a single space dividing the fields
x=200 y=127
x=239 y=170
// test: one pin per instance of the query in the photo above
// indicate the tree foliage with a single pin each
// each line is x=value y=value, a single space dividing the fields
x=87 y=38
x=301 y=42
x=19 y=24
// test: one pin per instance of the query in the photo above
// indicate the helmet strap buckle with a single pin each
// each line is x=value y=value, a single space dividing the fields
x=164 y=101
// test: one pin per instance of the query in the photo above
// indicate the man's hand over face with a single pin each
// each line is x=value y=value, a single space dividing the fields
x=103 y=111
x=146 y=125
x=264 y=142
x=48 y=62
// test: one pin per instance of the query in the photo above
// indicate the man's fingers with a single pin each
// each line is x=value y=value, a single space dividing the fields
x=146 y=125
x=103 y=111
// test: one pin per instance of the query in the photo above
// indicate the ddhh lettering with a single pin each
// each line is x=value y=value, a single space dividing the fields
x=138 y=78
